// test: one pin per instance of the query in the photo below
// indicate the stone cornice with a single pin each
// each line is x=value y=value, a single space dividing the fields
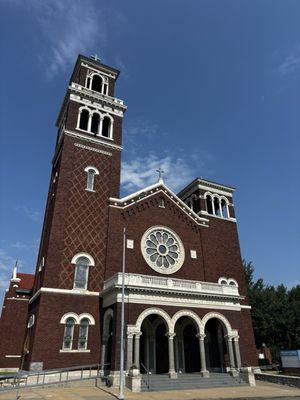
x=153 y=190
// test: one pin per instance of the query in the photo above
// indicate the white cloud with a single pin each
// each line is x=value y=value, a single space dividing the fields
x=25 y=245
x=67 y=27
x=179 y=170
x=291 y=64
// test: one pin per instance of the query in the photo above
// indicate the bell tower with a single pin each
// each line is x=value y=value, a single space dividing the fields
x=85 y=174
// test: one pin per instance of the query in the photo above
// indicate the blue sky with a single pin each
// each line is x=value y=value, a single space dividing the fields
x=212 y=89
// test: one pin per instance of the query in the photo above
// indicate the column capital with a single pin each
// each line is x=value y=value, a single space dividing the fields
x=201 y=336
x=229 y=337
x=138 y=335
x=170 y=335
x=236 y=338
x=130 y=335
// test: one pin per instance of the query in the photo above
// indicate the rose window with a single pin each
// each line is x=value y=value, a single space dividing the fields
x=162 y=250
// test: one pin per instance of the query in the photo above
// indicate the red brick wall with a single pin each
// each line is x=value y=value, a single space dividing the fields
x=48 y=332
x=13 y=325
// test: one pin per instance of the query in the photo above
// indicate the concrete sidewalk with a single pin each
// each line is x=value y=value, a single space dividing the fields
x=262 y=391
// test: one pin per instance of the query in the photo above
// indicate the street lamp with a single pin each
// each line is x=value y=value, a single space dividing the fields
x=121 y=393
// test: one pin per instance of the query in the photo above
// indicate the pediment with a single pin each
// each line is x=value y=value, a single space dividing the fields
x=151 y=192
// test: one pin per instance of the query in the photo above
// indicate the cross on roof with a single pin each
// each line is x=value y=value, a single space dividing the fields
x=160 y=173
x=95 y=57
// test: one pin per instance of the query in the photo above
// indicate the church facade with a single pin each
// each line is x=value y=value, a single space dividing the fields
x=186 y=307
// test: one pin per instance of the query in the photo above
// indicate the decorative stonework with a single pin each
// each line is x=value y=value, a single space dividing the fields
x=162 y=250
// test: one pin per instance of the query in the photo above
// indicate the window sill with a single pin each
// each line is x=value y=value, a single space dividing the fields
x=74 y=351
x=95 y=134
x=89 y=190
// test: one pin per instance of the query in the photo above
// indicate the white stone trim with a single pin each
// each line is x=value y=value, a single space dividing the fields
x=171 y=300
x=89 y=168
x=110 y=75
x=74 y=351
x=12 y=356
x=152 y=190
x=218 y=316
x=73 y=315
x=186 y=313
x=157 y=311
x=86 y=255
x=81 y=100
x=92 y=139
x=77 y=318
x=171 y=322
x=181 y=252
x=82 y=146
x=76 y=292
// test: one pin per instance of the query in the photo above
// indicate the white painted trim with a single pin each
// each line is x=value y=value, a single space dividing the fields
x=87 y=169
x=246 y=307
x=154 y=189
x=12 y=356
x=17 y=298
x=87 y=316
x=86 y=255
x=82 y=146
x=73 y=315
x=76 y=292
x=111 y=75
x=92 y=139
x=74 y=351
x=87 y=103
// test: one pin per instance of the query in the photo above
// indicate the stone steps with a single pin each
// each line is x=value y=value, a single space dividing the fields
x=188 y=381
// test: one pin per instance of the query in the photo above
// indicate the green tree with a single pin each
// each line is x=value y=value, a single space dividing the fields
x=275 y=313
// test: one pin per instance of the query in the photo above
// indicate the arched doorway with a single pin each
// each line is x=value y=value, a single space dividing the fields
x=187 y=353
x=154 y=345
x=216 y=346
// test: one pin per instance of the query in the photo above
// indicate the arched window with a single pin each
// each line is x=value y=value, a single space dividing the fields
x=223 y=282
x=224 y=206
x=84 y=119
x=91 y=172
x=68 y=334
x=95 y=123
x=209 y=205
x=106 y=127
x=83 y=334
x=97 y=83
x=217 y=206
x=81 y=273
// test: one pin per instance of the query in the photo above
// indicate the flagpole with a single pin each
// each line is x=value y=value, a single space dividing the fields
x=121 y=393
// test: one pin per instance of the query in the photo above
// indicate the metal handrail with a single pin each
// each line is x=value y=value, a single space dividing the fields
x=64 y=375
x=148 y=375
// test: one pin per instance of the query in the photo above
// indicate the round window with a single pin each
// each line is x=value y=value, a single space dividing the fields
x=162 y=249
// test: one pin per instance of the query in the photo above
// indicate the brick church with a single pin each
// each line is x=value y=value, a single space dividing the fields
x=186 y=307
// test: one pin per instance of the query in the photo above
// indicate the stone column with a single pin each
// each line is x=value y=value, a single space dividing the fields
x=172 y=372
x=100 y=127
x=103 y=354
x=129 y=351
x=231 y=356
x=137 y=349
x=203 y=371
x=237 y=352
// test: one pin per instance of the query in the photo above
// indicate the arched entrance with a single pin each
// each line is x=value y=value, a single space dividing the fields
x=187 y=354
x=107 y=339
x=217 y=358
x=154 y=345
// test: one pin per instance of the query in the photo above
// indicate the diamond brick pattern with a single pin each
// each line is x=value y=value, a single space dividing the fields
x=86 y=219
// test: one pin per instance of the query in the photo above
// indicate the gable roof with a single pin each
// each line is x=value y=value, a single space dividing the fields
x=152 y=190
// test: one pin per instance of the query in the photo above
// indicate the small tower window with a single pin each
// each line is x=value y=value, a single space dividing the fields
x=84 y=120
x=90 y=179
x=83 y=334
x=68 y=334
x=224 y=207
x=209 y=205
x=106 y=127
x=95 y=123
x=97 y=83
x=81 y=273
